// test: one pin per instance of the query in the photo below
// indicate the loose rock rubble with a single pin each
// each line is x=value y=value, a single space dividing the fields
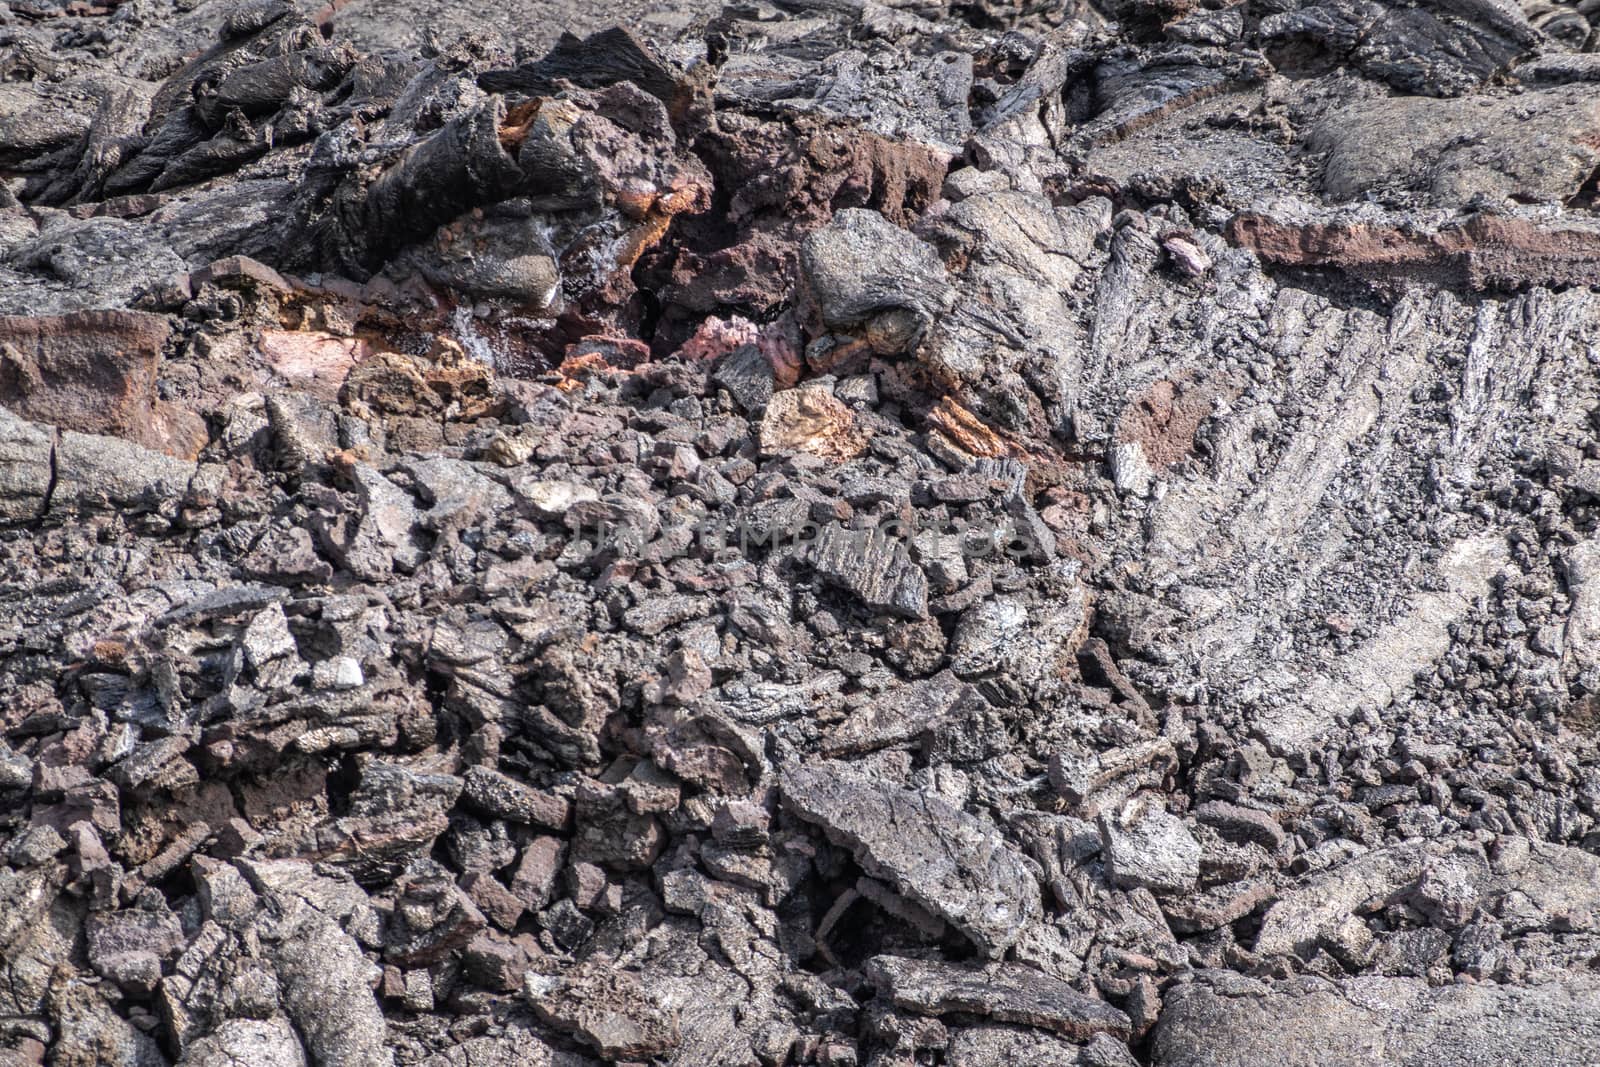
x=866 y=534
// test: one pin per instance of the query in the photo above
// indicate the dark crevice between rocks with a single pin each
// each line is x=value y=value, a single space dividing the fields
x=1588 y=195
x=50 y=489
x=1340 y=287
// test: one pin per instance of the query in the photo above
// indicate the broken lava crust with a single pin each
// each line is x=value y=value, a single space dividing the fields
x=857 y=533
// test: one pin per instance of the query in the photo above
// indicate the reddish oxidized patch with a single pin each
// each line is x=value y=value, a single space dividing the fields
x=1164 y=421
x=717 y=337
x=598 y=355
x=779 y=342
x=317 y=361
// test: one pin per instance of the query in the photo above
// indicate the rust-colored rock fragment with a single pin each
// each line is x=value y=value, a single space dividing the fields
x=514 y=130
x=1484 y=252
x=655 y=212
x=95 y=372
x=595 y=356
x=966 y=431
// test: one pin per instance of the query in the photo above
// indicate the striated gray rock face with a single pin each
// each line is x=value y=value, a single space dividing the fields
x=1438 y=50
x=27 y=452
x=872 y=567
x=1376 y=1021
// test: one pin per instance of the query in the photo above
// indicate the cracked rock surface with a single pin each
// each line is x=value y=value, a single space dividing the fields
x=857 y=533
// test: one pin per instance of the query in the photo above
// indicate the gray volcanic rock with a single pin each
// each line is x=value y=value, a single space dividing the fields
x=612 y=1012
x=1376 y=1021
x=872 y=565
x=799 y=532
x=1146 y=846
x=1438 y=49
x=1007 y=993
x=862 y=268
x=979 y=1046
x=27 y=454
x=951 y=863
x=1362 y=147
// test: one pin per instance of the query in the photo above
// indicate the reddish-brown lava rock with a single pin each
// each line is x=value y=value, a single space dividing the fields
x=447 y=384
x=1164 y=420
x=966 y=430
x=1483 y=252
x=95 y=372
x=785 y=177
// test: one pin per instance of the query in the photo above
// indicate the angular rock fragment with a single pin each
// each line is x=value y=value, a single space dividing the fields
x=551 y=500
x=433 y=919
x=28 y=895
x=271 y=1041
x=534 y=880
x=395 y=814
x=811 y=420
x=979 y=1046
x=873 y=566
x=326 y=991
x=1211 y=909
x=385 y=535
x=1005 y=993
x=1147 y=847
x=505 y=797
x=748 y=376
x=318 y=362
x=129 y=947
x=949 y=862
x=1240 y=823
x=27 y=473
x=91 y=1032
x=1098 y=782
x=95 y=473
x=612 y=1012
x=1029 y=650
x=608 y=833
x=901 y=716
